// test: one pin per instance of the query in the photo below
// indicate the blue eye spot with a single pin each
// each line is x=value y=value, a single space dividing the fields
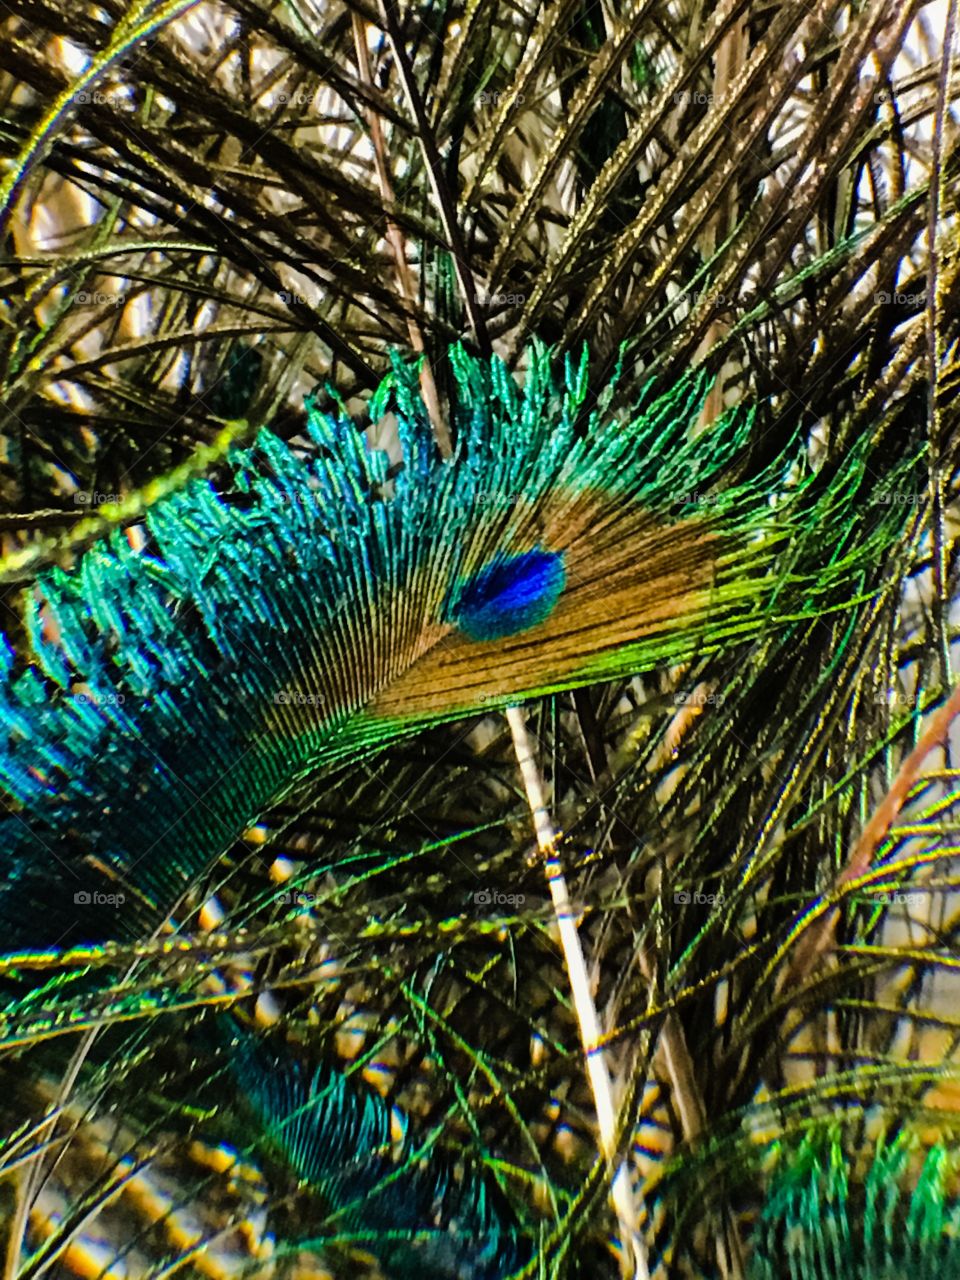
x=512 y=594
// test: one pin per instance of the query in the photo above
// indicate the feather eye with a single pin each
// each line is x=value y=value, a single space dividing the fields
x=511 y=594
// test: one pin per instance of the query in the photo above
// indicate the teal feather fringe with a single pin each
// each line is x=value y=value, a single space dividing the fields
x=821 y=1222
x=418 y=1215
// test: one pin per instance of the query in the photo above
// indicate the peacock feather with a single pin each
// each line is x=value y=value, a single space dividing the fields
x=314 y=609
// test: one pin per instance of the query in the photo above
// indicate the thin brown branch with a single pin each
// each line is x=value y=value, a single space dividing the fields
x=936 y=350
x=398 y=247
x=438 y=184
